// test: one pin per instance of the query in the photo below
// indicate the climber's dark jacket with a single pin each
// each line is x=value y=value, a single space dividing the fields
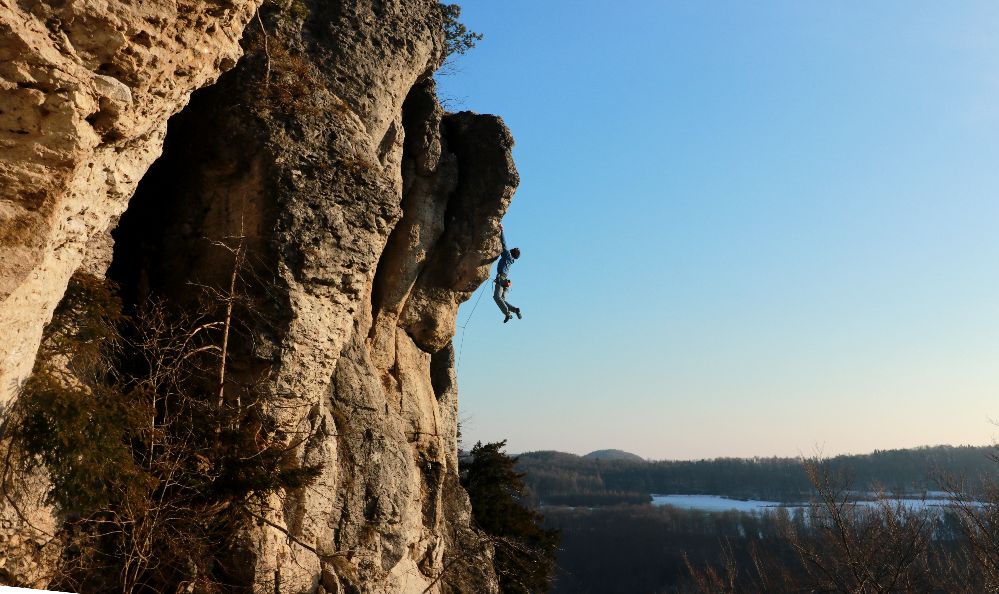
x=506 y=260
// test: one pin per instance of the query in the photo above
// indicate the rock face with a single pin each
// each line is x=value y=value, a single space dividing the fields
x=86 y=89
x=367 y=216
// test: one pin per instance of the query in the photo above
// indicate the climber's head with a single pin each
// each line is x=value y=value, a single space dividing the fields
x=515 y=252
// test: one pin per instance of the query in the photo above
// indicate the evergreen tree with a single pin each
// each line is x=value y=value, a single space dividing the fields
x=525 y=552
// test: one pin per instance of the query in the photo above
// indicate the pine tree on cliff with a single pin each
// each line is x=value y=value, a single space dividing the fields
x=525 y=552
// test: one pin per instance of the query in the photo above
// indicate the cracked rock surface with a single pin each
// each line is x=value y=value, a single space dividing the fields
x=368 y=214
x=86 y=88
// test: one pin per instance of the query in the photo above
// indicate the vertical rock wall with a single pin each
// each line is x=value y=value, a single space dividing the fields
x=86 y=89
x=368 y=215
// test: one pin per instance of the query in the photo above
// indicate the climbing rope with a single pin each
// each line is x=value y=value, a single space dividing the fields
x=461 y=345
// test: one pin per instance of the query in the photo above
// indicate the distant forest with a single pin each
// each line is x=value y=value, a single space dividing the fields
x=613 y=541
x=557 y=478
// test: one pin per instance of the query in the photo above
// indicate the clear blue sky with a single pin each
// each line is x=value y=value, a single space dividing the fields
x=748 y=228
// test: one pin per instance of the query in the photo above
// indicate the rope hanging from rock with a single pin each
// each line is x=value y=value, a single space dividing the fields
x=461 y=346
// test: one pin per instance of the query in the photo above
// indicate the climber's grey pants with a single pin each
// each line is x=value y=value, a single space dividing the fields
x=499 y=295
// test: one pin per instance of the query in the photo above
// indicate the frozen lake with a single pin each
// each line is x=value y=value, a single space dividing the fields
x=717 y=503
x=713 y=503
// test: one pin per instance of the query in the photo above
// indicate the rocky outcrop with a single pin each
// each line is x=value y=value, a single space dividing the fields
x=367 y=216
x=86 y=89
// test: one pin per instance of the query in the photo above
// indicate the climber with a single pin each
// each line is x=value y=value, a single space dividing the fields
x=503 y=283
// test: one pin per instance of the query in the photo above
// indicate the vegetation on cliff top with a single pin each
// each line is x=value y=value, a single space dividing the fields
x=458 y=38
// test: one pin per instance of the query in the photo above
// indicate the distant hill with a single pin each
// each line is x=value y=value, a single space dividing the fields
x=613 y=455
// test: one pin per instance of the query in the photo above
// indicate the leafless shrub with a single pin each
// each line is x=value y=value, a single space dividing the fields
x=841 y=545
x=159 y=455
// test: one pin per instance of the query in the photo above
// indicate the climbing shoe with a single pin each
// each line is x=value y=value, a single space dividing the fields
x=507 y=318
x=517 y=311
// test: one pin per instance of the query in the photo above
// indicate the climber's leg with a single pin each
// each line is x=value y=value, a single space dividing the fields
x=510 y=306
x=499 y=296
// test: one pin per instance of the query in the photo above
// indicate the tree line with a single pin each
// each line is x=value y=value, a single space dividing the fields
x=556 y=478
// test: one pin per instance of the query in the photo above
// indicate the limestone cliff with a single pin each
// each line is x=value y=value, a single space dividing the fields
x=367 y=215
x=85 y=92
